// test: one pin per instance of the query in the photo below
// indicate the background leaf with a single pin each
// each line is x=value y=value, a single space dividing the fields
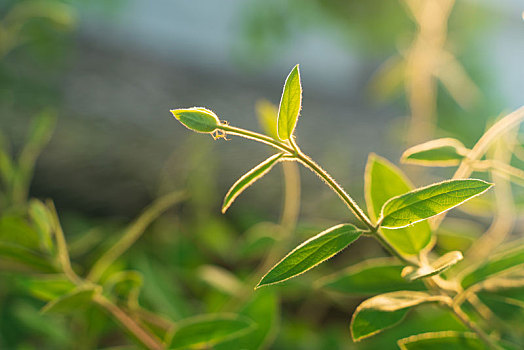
x=429 y=201
x=290 y=105
x=449 y=340
x=311 y=253
x=441 y=264
x=503 y=261
x=439 y=152
x=72 y=301
x=384 y=311
x=209 y=330
x=370 y=277
x=383 y=180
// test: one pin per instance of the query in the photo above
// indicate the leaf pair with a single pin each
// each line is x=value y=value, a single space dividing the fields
x=401 y=211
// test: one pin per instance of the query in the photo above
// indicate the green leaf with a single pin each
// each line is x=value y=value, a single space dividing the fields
x=26 y=257
x=383 y=181
x=370 y=277
x=72 y=301
x=440 y=152
x=198 y=119
x=125 y=285
x=264 y=311
x=47 y=287
x=15 y=230
x=311 y=253
x=449 y=340
x=429 y=201
x=441 y=264
x=386 y=310
x=208 y=330
x=501 y=262
x=290 y=105
x=248 y=179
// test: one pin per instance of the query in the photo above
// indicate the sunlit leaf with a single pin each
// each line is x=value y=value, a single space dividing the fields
x=384 y=311
x=72 y=301
x=449 y=340
x=209 y=330
x=311 y=253
x=441 y=264
x=506 y=260
x=198 y=119
x=383 y=181
x=290 y=105
x=440 y=152
x=248 y=179
x=429 y=201
x=370 y=277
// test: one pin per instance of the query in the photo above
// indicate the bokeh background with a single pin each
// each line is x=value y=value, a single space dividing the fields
x=378 y=76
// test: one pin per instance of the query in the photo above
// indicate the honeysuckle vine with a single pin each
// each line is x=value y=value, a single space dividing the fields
x=398 y=213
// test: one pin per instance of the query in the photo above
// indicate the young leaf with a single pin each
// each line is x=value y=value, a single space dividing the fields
x=383 y=181
x=47 y=287
x=370 y=277
x=386 y=310
x=290 y=105
x=248 y=179
x=449 y=340
x=73 y=300
x=208 y=330
x=429 y=201
x=26 y=257
x=267 y=117
x=504 y=261
x=440 y=152
x=43 y=221
x=311 y=253
x=198 y=119
x=441 y=264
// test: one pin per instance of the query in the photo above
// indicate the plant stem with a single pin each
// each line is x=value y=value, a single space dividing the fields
x=297 y=154
x=472 y=326
x=125 y=320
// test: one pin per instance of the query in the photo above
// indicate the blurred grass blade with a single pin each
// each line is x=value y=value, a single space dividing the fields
x=386 y=310
x=441 y=264
x=449 y=340
x=383 y=180
x=248 y=179
x=221 y=279
x=72 y=301
x=290 y=105
x=311 y=253
x=371 y=277
x=429 y=201
x=439 y=152
x=133 y=232
x=125 y=285
x=209 y=330
x=501 y=262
